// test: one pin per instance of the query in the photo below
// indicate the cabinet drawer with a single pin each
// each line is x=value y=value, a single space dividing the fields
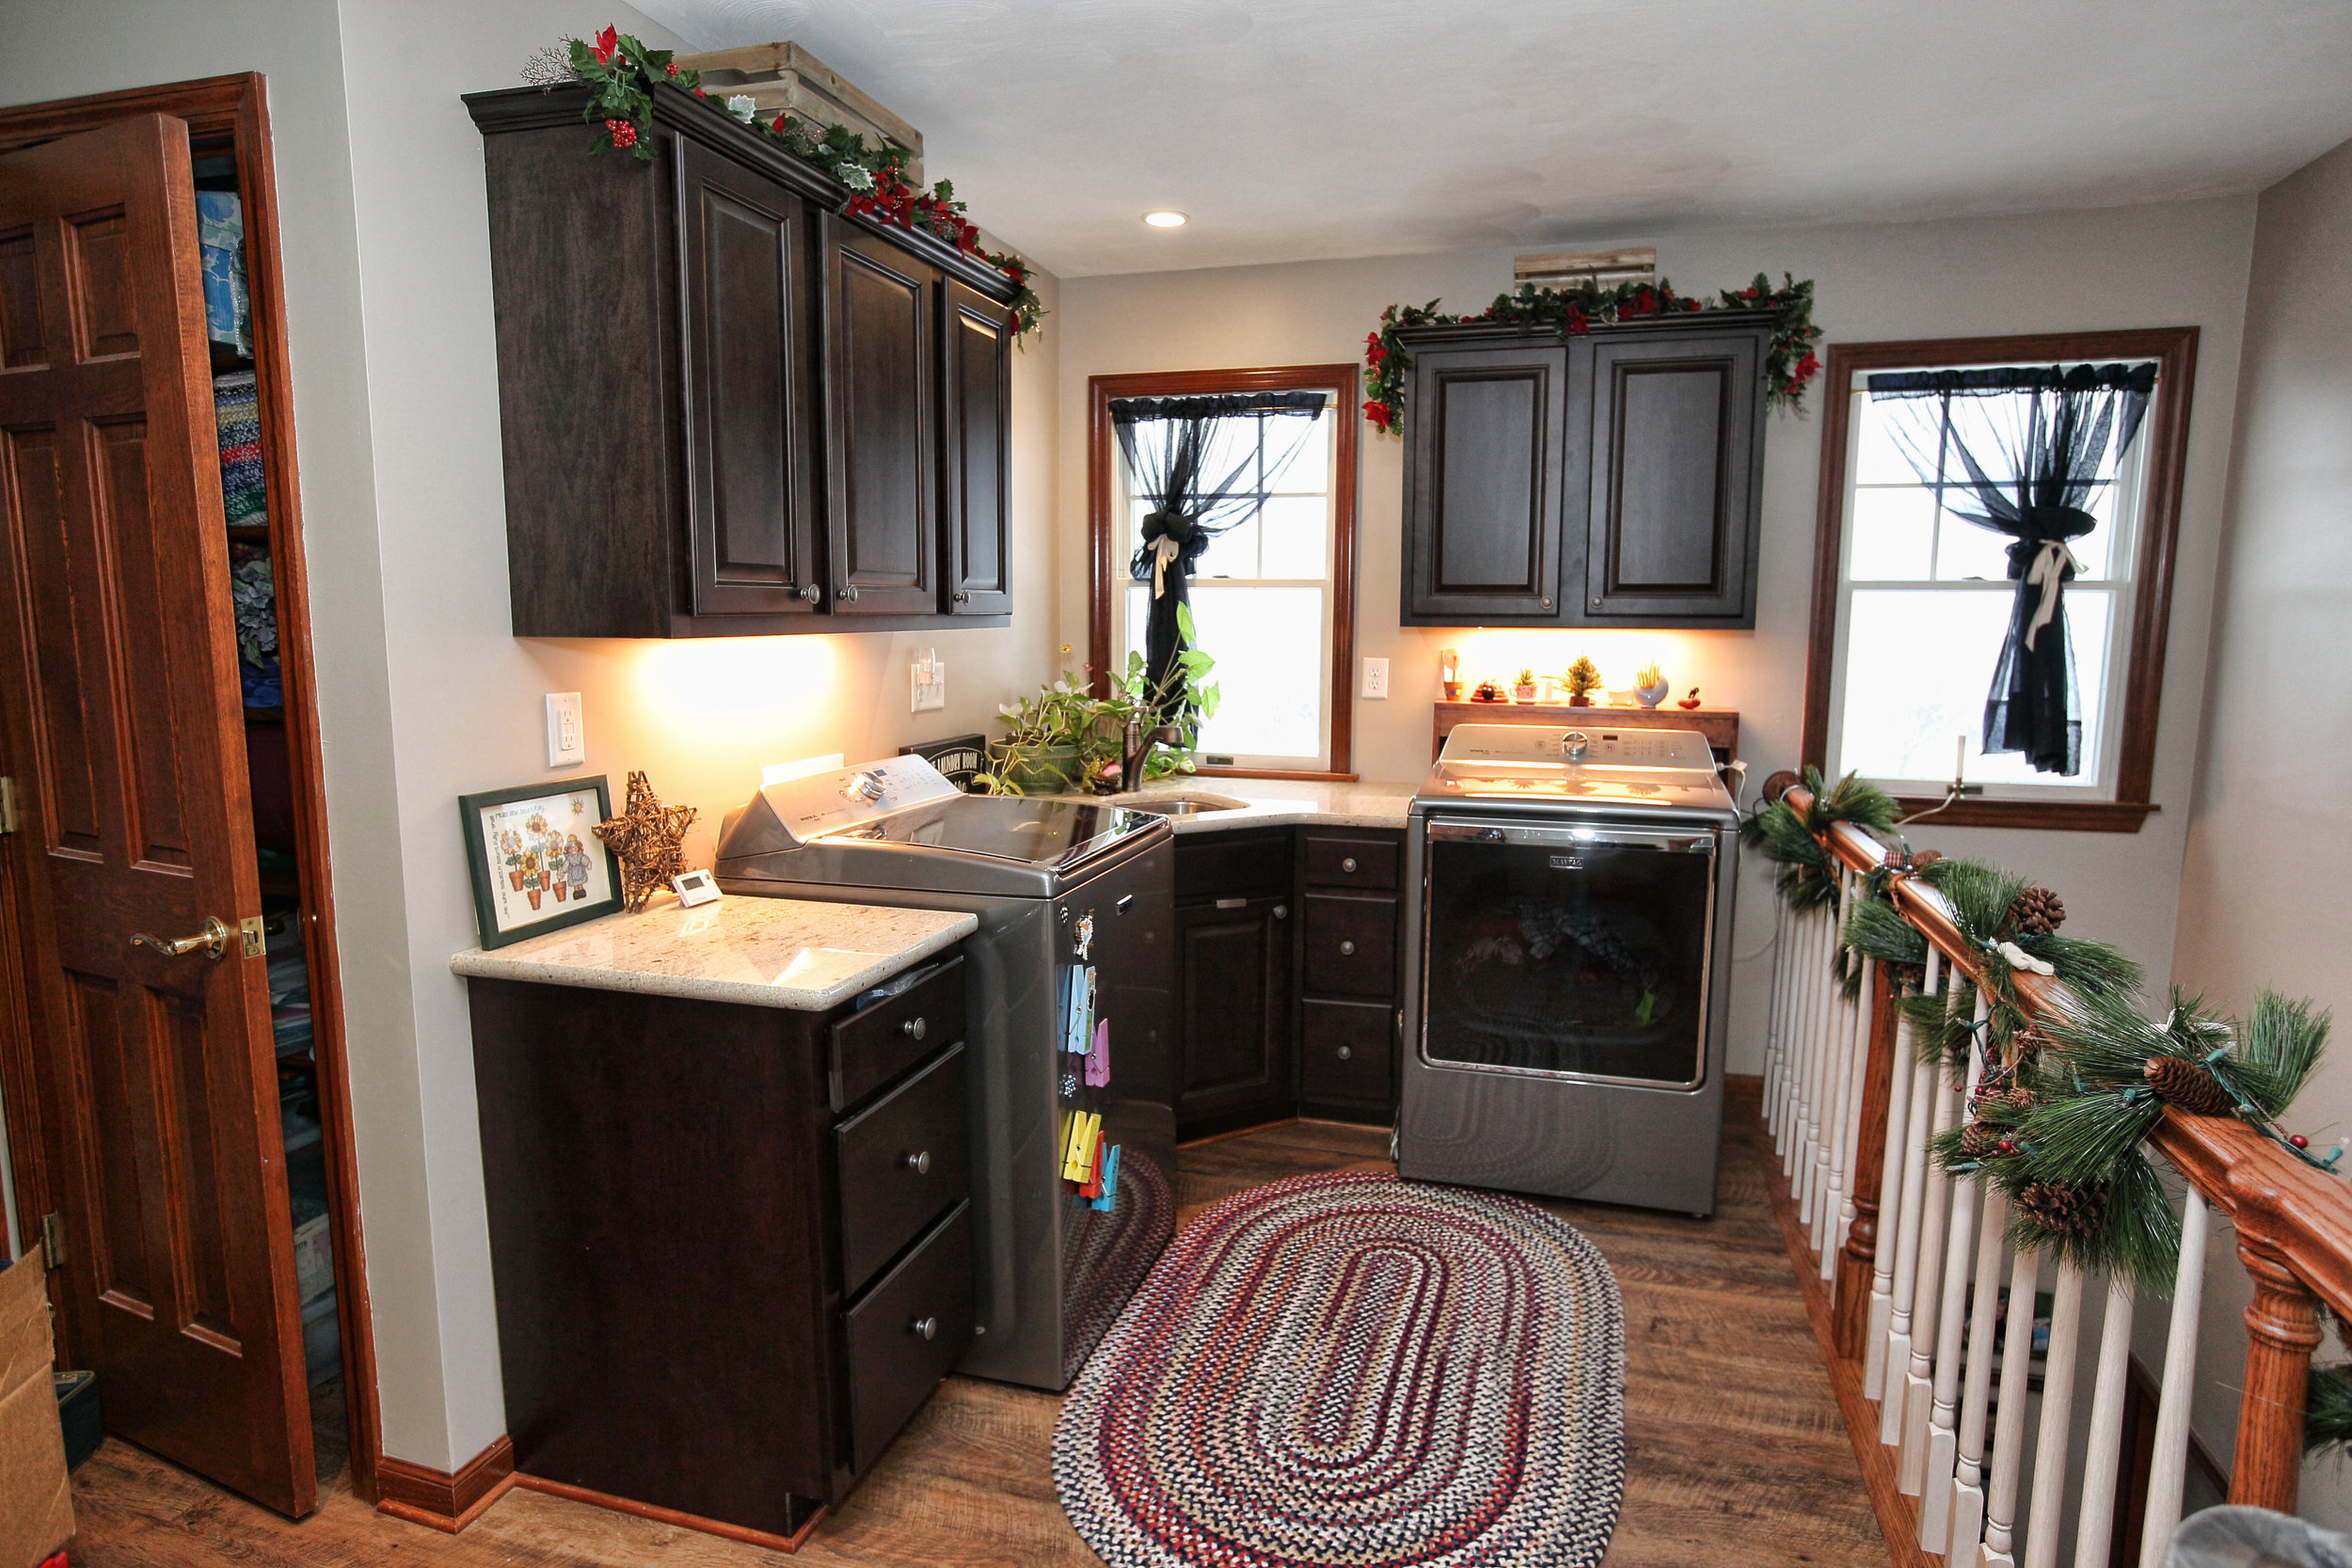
x=1351 y=945
x=1232 y=864
x=870 y=1048
x=1348 y=1052
x=1366 y=863
x=903 y=1159
x=894 y=1364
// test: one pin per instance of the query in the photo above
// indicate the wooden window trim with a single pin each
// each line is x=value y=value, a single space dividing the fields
x=2174 y=349
x=1103 y=574
x=233 y=113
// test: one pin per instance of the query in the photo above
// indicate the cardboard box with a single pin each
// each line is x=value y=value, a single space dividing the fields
x=784 y=77
x=36 y=1505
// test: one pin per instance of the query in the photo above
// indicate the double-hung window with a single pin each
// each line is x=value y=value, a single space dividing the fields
x=1911 y=631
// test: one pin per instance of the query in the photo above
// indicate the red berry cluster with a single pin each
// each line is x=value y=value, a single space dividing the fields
x=622 y=133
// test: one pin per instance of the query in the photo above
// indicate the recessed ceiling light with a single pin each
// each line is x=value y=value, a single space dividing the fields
x=1165 y=220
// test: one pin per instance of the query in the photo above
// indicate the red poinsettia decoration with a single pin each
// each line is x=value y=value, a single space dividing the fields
x=608 y=44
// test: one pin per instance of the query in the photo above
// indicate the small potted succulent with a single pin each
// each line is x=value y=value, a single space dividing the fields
x=1583 y=679
x=1649 y=684
x=1524 y=687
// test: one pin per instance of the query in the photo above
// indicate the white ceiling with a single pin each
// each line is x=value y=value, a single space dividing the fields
x=1304 y=129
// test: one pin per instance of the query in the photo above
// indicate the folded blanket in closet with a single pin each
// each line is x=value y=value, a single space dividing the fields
x=237 y=412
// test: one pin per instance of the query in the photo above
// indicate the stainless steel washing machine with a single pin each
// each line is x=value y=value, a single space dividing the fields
x=1566 y=985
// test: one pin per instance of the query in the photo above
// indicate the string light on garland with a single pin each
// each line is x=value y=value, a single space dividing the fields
x=1790 y=361
x=621 y=73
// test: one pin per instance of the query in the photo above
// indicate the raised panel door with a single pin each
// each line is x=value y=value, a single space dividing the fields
x=976 y=347
x=1483 y=483
x=750 y=422
x=883 y=460
x=1233 y=1007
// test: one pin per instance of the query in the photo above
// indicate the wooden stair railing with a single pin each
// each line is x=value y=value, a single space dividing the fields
x=1851 y=1114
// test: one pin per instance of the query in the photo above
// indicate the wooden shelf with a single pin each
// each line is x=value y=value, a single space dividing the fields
x=1720 y=725
x=248 y=533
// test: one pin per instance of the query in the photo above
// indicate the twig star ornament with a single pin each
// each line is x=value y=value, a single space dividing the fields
x=649 y=839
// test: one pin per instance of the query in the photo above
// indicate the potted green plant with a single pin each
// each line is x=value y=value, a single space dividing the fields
x=1044 y=752
x=1583 y=679
x=1065 y=739
x=1524 y=687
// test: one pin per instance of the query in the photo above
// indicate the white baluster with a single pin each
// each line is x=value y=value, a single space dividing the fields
x=1849 y=1122
x=1800 y=1151
x=1917 y=1128
x=1828 y=1175
x=2106 y=1425
x=2169 y=1464
x=1818 y=1075
x=1776 y=1040
x=2008 y=1430
x=1935 y=1500
x=2046 y=1516
x=1799 y=998
x=1919 y=1393
x=1967 y=1527
x=1893 y=1193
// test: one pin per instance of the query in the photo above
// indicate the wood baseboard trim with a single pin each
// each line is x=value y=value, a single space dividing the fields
x=1898 y=1522
x=671 y=1517
x=442 y=1500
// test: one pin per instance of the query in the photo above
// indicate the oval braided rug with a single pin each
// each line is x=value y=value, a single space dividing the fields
x=1352 y=1370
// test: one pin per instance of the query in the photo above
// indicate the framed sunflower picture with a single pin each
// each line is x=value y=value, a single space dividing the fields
x=536 y=861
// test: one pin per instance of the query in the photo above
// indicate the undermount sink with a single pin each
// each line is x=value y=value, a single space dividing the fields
x=1178 y=805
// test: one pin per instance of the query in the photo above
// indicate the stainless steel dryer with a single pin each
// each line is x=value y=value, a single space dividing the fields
x=1055 y=883
x=1567 y=974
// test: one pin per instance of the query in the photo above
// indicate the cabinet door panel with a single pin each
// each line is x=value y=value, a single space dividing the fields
x=1672 y=494
x=1347 y=1053
x=751 y=442
x=1233 y=991
x=1483 y=488
x=885 y=464
x=975 y=348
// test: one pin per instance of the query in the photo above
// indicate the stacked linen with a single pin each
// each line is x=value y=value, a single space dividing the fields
x=237 y=413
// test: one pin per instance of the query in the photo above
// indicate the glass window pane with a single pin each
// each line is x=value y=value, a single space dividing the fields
x=1295 y=533
x=1918 y=665
x=1965 y=549
x=1138 y=613
x=1269 y=648
x=2093 y=549
x=1991 y=430
x=1894 y=532
x=1878 y=458
x=1232 y=445
x=1233 y=553
x=1311 y=469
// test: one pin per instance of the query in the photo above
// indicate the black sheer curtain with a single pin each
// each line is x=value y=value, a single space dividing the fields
x=2035 y=442
x=1197 y=462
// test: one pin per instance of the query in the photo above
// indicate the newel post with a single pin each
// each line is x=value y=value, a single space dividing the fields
x=2281 y=1331
x=1850 y=1310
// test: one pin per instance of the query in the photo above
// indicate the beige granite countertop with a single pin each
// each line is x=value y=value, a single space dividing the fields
x=759 y=952
x=1276 y=802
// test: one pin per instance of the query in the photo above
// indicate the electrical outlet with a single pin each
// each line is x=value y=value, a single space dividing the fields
x=1375 y=677
x=927 y=679
x=567 y=744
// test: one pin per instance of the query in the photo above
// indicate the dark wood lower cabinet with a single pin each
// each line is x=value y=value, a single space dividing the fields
x=1346 y=1057
x=722 y=1283
x=1234 y=1013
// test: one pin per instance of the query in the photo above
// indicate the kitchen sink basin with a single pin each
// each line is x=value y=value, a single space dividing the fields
x=1178 y=805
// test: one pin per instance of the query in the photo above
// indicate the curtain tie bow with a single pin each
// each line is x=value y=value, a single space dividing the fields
x=1162 y=544
x=2051 y=563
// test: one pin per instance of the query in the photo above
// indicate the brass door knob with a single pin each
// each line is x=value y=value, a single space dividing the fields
x=213 y=939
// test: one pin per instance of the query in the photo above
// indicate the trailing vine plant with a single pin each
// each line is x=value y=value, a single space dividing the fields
x=621 y=73
x=1790 y=361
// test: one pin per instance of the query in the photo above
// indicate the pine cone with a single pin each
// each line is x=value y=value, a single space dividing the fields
x=2021 y=1098
x=1925 y=858
x=2035 y=912
x=1978 y=1139
x=2191 y=1086
x=2062 y=1209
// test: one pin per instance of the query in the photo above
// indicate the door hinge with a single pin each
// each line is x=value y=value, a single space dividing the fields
x=8 y=805
x=53 y=1240
x=256 y=940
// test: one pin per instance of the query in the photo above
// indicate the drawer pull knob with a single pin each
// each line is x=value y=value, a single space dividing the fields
x=1348 y=865
x=1347 y=950
x=1345 y=1053
x=914 y=1028
x=926 y=1327
x=1281 y=911
x=919 y=1163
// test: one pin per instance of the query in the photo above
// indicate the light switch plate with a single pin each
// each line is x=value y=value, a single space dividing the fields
x=1375 y=677
x=567 y=744
x=926 y=678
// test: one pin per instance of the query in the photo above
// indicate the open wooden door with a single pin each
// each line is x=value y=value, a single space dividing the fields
x=124 y=733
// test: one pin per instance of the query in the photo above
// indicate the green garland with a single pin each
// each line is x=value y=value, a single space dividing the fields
x=1806 y=880
x=1788 y=363
x=2328 y=1415
x=621 y=72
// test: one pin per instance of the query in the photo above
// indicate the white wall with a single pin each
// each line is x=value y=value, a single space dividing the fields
x=2120 y=267
x=425 y=693
x=2264 y=899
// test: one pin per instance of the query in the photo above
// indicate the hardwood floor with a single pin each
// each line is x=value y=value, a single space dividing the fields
x=1736 y=1450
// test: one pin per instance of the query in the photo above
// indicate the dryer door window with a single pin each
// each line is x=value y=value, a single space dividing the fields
x=1567 y=952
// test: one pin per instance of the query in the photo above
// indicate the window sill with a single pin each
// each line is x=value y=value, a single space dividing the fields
x=1271 y=773
x=2078 y=816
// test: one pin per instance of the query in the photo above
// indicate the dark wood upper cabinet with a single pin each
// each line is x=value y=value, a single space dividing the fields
x=751 y=464
x=1676 y=424
x=728 y=408
x=881 y=443
x=1608 y=478
x=1486 y=447
x=976 y=352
